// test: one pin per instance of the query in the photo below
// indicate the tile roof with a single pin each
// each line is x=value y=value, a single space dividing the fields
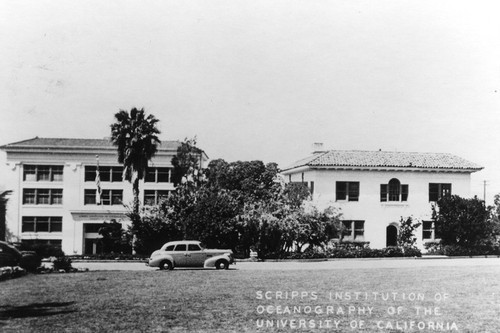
x=75 y=143
x=385 y=159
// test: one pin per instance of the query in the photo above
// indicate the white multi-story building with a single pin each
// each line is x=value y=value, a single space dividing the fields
x=375 y=189
x=54 y=198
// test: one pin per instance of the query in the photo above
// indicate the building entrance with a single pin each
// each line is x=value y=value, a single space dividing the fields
x=391 y=236
x=92 y=239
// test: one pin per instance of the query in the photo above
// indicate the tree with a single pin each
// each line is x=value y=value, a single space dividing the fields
x=464 y=222
x=112 y=237
x=406 y=235
x=187 y=162
x=136 y=137
x=3 y=212
x=316 y=227
x=155 y=230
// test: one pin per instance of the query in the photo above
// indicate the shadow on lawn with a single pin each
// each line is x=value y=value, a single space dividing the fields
x=35 y=310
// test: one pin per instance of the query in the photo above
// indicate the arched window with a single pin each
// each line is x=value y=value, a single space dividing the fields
x=393 y=191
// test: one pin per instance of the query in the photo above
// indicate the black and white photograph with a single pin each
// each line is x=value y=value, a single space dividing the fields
x=250 y=166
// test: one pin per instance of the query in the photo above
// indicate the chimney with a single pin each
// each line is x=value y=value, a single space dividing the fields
x=317 y=147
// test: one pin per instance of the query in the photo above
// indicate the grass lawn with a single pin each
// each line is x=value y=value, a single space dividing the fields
x=229 y=301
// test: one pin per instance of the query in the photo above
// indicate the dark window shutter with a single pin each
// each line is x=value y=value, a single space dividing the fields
x=353 y=191
x=404 y=192
x=433 y=192
x=341 y=191
x=383 y=192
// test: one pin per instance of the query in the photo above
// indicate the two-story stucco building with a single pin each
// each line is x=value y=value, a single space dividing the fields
x=54 y=198
x=374 y=189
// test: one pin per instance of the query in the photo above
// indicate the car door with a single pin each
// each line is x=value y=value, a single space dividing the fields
x=195 y=256
x=179 y=254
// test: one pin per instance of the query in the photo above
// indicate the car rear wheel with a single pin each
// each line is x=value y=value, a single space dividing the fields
x=166 y=264
x=222 y=264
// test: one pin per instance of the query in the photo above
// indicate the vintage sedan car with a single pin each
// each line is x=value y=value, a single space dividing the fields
x=189 y=254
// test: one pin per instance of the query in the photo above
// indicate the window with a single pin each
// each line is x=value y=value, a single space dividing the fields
x=153 y=197
x=438 y=191
x=194 y=247
x=180 y=247
x=347 y=191
x=394 y=191
x=429 y=232
x=158 y=175
x=93 y=227
x=170 y=248
x=108 y=197
x=42 y=196
x=106 y=173
x=354 y=230
x=42 y=224
x=53 y=242
x=43 y=173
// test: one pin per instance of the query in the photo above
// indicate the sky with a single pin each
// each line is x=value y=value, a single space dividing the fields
x=259 y=79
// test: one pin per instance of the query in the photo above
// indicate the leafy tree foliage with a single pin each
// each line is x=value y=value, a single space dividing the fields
x=316 y=227
x=237 y=205
x=250 y=180
x=154 y=230
x=213 y=219
x=187 y=162
x=406 y=235
x=113 y=238
x=3 y=212
x=296 y=193
x=464 y=222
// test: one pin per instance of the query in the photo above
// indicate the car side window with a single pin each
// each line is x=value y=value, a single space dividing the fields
x=194 y=247
x=180 y=247
x=170 y=248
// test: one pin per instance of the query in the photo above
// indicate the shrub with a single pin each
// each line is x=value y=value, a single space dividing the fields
x=411 y=252
x=30 y=261
x=62 y=263
x=43 y=250
x=392 y=252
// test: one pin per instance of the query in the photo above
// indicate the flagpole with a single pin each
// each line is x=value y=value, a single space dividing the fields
x=98 y=182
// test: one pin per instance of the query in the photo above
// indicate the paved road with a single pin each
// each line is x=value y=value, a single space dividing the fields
x=325 y=265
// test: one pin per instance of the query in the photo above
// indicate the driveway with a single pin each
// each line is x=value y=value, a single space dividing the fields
x=311 y=265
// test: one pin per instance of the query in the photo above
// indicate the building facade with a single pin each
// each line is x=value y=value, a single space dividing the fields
x=55 y=194
x=375 y=189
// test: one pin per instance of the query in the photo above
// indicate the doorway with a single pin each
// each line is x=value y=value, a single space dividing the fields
x=391 y=236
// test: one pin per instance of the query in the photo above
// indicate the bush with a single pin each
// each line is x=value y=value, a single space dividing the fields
x=411 y=252
x=63 y=263
x=348 y=250
x=392 y=252
x=109 y=256
x=457 y=250
x=43 y=250
x=30 y=261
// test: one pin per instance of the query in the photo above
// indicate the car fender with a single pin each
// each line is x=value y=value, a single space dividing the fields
x=210 y=262
x=159 y=258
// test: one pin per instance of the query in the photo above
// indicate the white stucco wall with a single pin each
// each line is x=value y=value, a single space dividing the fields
x=376 y=214
x=73 y=210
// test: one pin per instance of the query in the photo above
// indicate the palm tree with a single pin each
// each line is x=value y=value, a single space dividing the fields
x=136 y=137
x=3 y=211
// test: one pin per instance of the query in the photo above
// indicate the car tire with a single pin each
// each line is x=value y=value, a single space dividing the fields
x=166 y=265
x=221 y=264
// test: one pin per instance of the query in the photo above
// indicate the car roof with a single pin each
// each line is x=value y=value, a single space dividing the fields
x=183 y=242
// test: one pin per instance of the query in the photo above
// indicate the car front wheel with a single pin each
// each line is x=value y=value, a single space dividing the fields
x=167 y=265
x=221 y=264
